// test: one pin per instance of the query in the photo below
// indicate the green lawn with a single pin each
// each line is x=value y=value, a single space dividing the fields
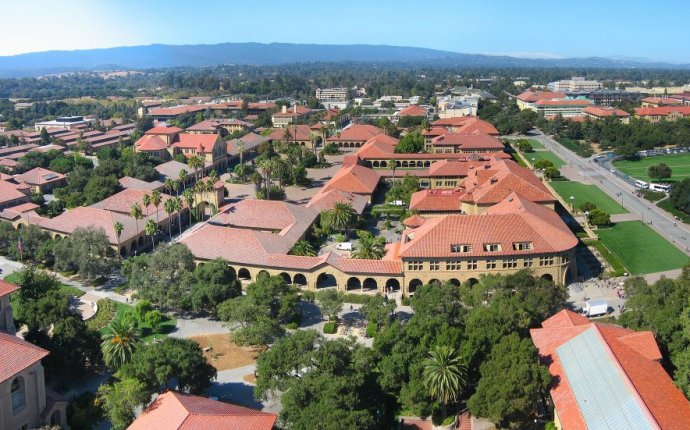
x=535 y=156
x=679 y=163
x=641 y=249
x=587 y=193
x=13 y=278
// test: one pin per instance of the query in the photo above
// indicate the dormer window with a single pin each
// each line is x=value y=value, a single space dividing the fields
x=460 y=248
x=492 y=247
x=522 y=246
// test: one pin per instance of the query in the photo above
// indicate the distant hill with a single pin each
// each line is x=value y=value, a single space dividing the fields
x=165 y=56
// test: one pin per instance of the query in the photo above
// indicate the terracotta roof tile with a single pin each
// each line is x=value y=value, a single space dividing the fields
x=662 y=111
x=174 y=411
x=7 y=288
x=602 y=111
x=150 y=142
x=413 y=110
x=201 y=143
x=39 y=176
x=16 y=355
x=357 y=132
x=165 y=130
x=533 y=96
x=354 y=179
x=475 y=141
x=326 y=200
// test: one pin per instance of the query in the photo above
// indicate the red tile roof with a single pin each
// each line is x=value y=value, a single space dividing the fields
x=436 y=200
x=177 y=110
x=122 y=202
x=414 y=221
x=661 y=101
x=164 y=130
x=354 y=179
x=434 y=131
x=414 y=110
x=138 y=184
x=466 y=124
x=7 y=288
x=16 y=355
x=662 y=111
x=10 y=192
x=635 y=354
x=150 y=143
x=514 y=220
x=533 y=96
x=601 y=111
x=201 y=143
x=356 y=133
x=303 y=133
x=456 y=168
x=470 y=141
x=39 y=176
x=174 y=411
x=326 y=200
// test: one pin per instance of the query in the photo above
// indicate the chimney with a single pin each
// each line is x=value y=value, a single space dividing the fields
x=294 y=108
x=284 y=110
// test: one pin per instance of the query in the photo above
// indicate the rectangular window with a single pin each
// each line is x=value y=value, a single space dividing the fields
x=527 y=262
x=460 y=248
x=546 y=261
x=472 y=264
x=415 y=265
x=490 y=264
x=522 y=246
x=510 y=263
x=492 y=247
x=452 y=265
x=434 y=265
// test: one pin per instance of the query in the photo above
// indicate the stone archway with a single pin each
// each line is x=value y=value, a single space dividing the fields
x=473 y=281
x=454 y=282
x=326 y=280
x=353 y=283
x=299 y=279
x=369 y=284
x=262 y=273
x=434 y=282
x=286 y=277
x=244 y=274
x=383 y=164
x=547 y=277
x=413 y=285
x=567 y=276
x=392 y=285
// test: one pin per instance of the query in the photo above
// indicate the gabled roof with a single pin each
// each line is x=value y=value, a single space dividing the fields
x=251 y=141
x=175 y=411
x=413 y=221
x=413 y=110
x=533 y=96
x=201 y=143
x=466 y=124
x=358 y=132
x=138 y=184
x=16 y=355
x=122 y=202
x=7 y=288
x=164 y=130
x=469 y=141
x=378 y=146
x=354 y=179
x=297 y=132
x=10 y=192
x=171 y=169
x=608 y=377
x=39 y=176
x=602 y=111
x=662 y=110
x=514 y=220
x=437 y=200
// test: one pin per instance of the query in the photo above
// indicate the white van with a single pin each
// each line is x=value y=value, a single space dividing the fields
x=641 y=184
x=665 y=188
x=595 y=308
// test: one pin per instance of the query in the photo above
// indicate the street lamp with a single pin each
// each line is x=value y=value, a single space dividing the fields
x=572 y=202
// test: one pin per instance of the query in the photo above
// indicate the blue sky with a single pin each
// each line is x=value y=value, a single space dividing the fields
x=529 y=28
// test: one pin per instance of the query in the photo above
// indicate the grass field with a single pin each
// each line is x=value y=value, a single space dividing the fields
x=679 y=163
x=587 y=193
x=167 y=326
x=546 y=155
x=641 y=249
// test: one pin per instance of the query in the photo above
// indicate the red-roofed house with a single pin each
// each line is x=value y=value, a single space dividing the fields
x=464 y=143
x=660 y=101
x=12 y=194
x=165 y=142
x=41 y=180
x=668 y=113
x=465 y=124
x=354 y=179
x=527 y=99
x=287 y=116
x=602 y=112
x=637 y=392
x=24 y=400
x=354 y=136
x=175 y=411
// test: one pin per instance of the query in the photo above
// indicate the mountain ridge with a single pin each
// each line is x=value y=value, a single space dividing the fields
x=156 y=56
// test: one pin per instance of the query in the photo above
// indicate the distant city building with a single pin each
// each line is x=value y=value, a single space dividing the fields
x=599 y=112
x=332 y=94
x=668 y=113
x=63 y=122
x=575 y=84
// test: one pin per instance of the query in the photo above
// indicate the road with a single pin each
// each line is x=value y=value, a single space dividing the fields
x=589 y=172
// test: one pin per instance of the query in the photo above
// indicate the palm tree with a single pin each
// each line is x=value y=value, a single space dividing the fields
x=118 y=227
x=240 y=148
x=369 y=247
x=195 y=162
x=146 y=200
x=183 y=178
x=266 y=167
x=169 y=208
x=136 y=213
x=169 y=185
x=156 y=201
x=119 y=341
x=341 y=217
x=302 y=247
x=392 y=164
x=178 y=208
x=176 y=186
x=151 y=228
x=444 y=376
x=189 y=199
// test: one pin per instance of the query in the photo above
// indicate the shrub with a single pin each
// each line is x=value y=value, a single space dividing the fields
x=308 y=296
x=154 y=319
x=142 y=308
x=359 y=299
x=292 y=325
x=405 y=301
x=106 y=312
x=277 y=193
x=84 y=412
x=552 y=172
x=371 y=329
x=331 y=149
x=543 y=164
x=587 y=206
x=330 y=327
